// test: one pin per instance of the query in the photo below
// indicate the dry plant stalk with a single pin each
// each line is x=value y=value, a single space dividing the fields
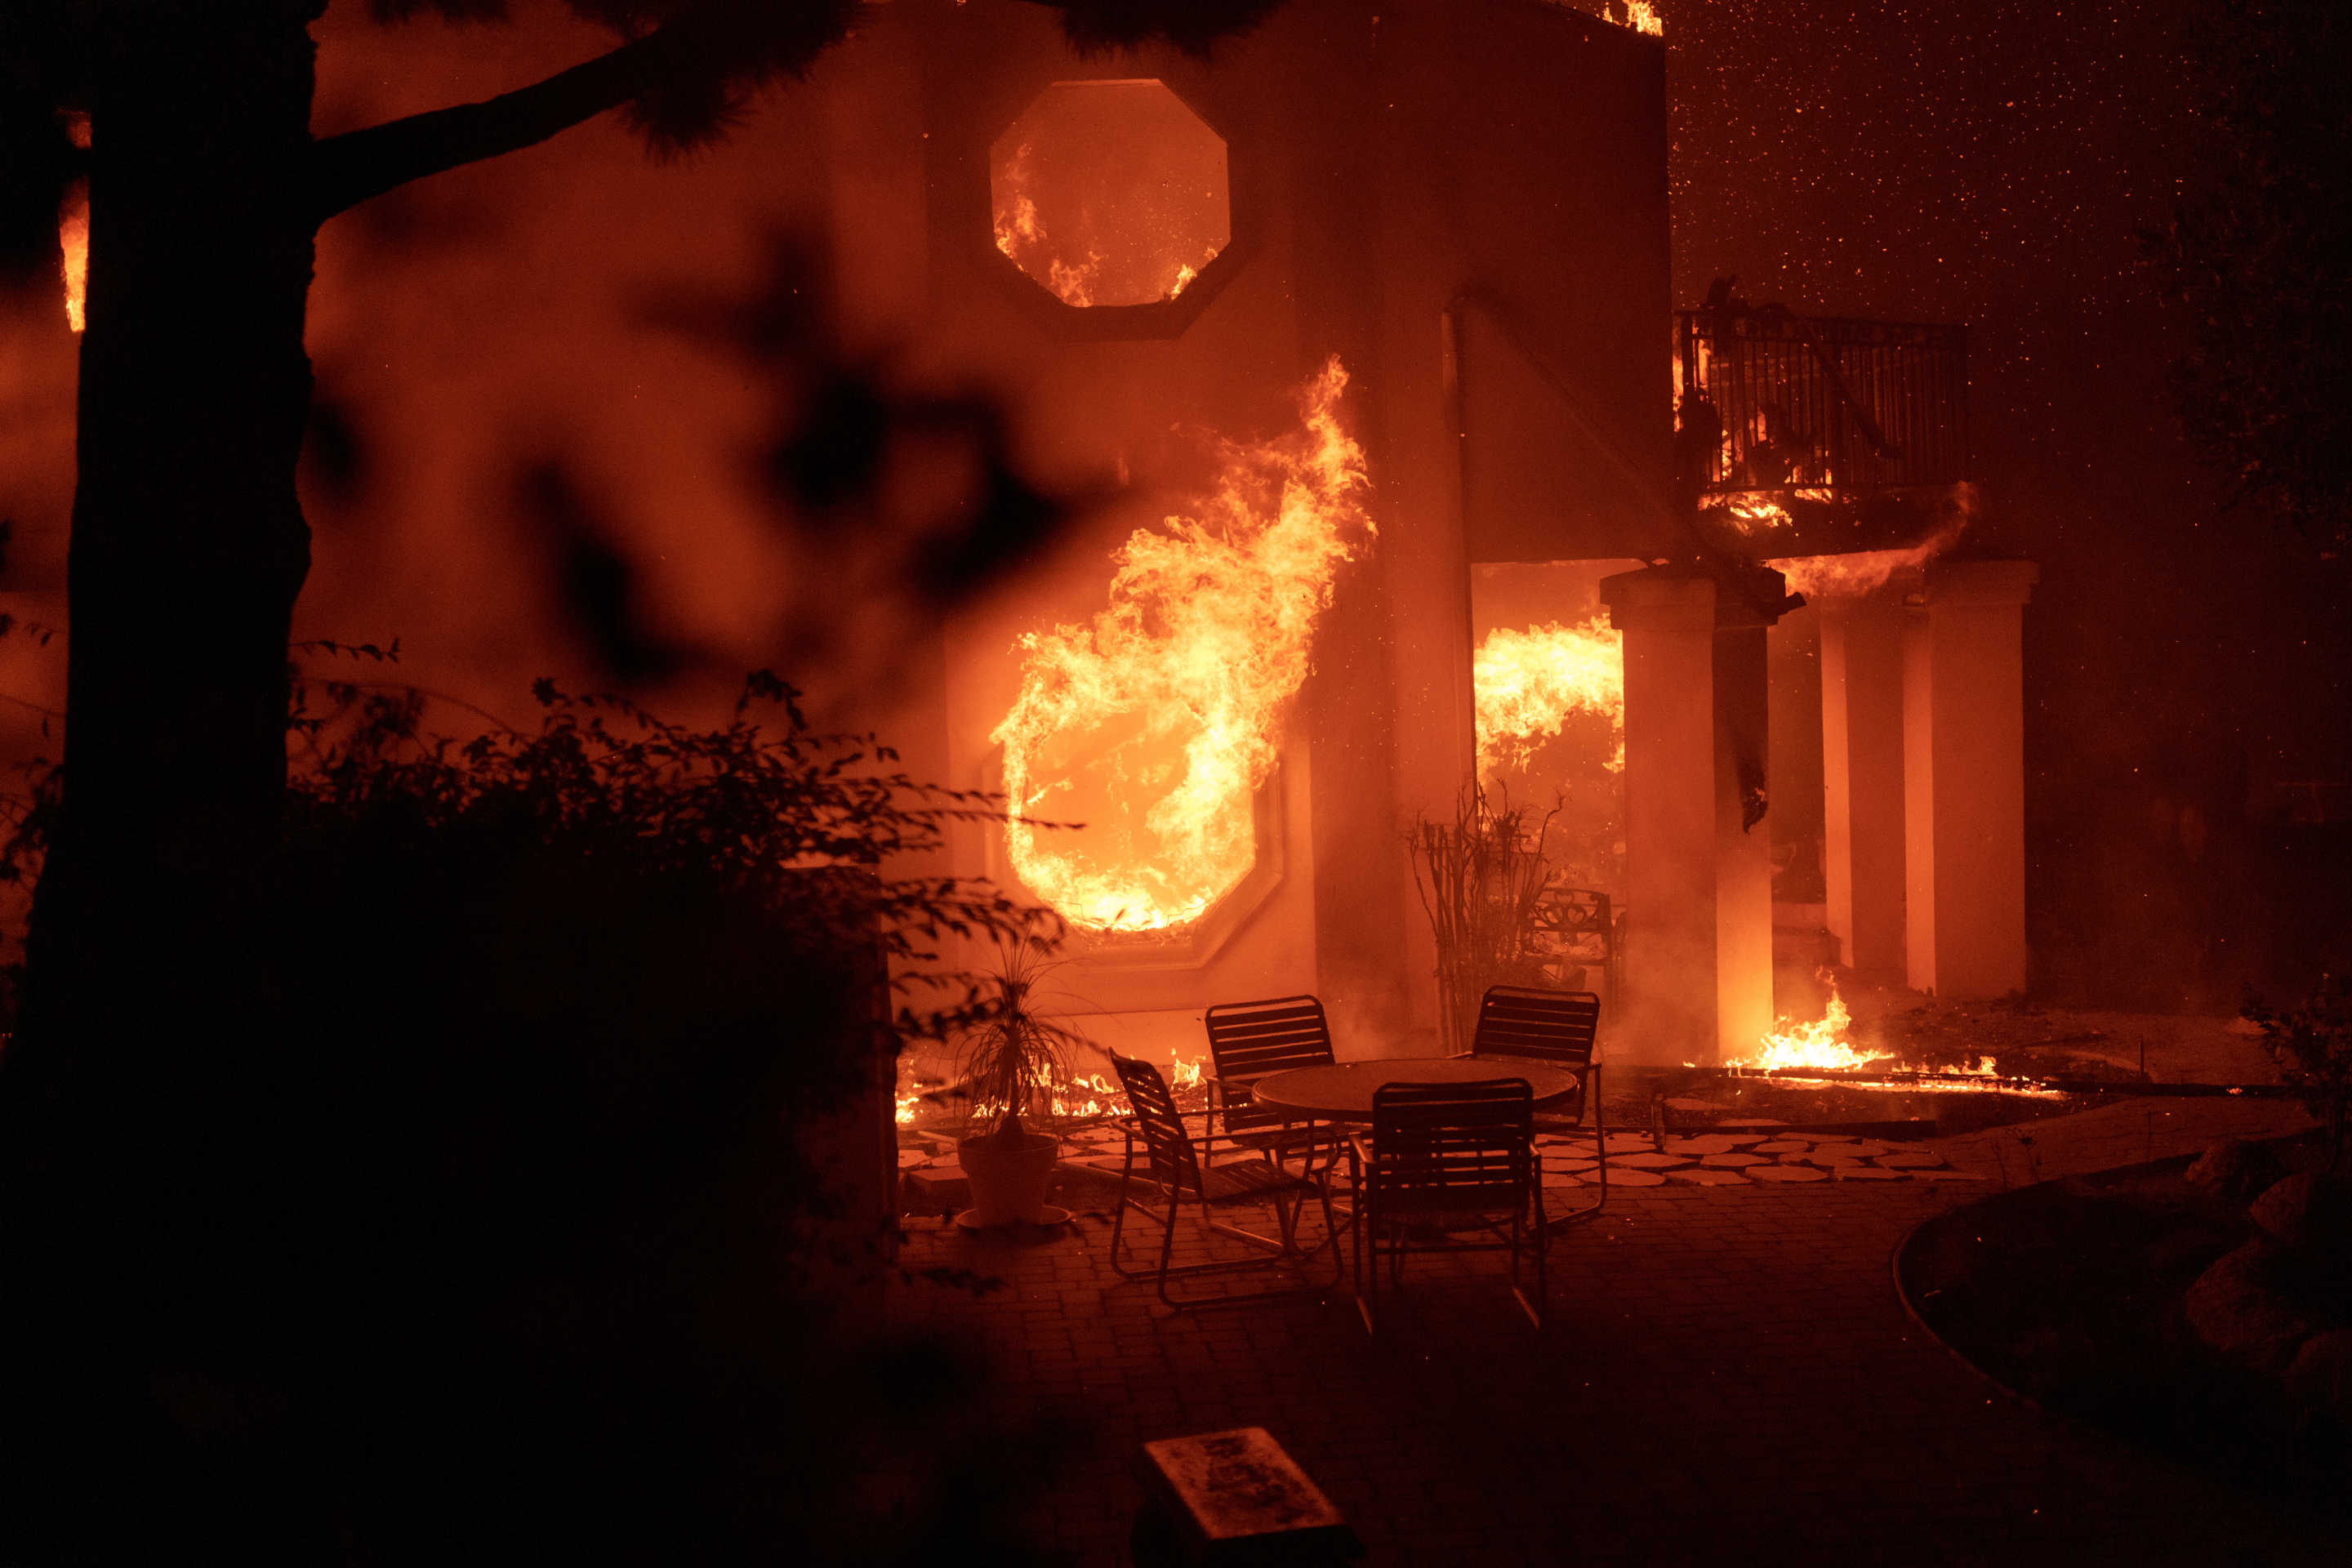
x=1479 y=877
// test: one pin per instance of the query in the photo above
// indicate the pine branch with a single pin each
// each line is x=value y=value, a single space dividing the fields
x=351 y=168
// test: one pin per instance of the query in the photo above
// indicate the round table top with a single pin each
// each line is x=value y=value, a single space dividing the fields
x=1344 y=1093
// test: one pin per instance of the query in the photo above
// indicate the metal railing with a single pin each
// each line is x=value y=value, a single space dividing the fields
x=1766 y=401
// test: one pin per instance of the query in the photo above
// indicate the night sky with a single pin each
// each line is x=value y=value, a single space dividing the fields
x=1990 y=161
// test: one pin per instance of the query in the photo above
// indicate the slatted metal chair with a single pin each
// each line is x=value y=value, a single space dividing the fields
x=1173 y=1166
x=1249 y=1040
x=1442 y=1153
x=1562 y=1029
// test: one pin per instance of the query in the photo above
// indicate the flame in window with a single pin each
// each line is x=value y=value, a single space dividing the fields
x=1156 y=723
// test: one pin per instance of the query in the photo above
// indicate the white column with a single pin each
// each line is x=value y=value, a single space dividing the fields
x=1964 y=778
x=1743 y=853
x=1667 y=615
x=1862 y=778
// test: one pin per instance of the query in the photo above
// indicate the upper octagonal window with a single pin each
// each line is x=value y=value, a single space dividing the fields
x=1109 y=193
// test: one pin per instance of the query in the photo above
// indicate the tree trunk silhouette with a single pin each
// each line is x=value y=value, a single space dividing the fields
x=188 y=545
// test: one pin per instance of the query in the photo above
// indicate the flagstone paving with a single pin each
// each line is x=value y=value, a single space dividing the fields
x=1728 y=1375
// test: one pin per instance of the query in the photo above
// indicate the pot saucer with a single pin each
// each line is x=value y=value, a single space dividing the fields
x=1053 y=1216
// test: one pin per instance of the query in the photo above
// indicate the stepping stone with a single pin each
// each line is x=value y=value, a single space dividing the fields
x=1788 y=1173
x=1782 y=1146
x=1734 y=1162
x=1699 y=1176
x=1750 y=1125
x=1867 y=1146
x=1828 y=1159
x=1706 y=1143
x=1869 y=1174
x=1560 y=1179
x=1552 y=1163
x=1628 y=1142
x=1622 y=1178
x=1648 y=1161
x=1583 y=1150
x=1912 y=1159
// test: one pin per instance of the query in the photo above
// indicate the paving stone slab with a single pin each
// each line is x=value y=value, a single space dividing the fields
x=1910 y=1160
x=1646 y=1162
x=1560 y=1179
x=1788 y=1173
x=1782 y=1146
x=1828 y=1159
x=1575 y=1167
x=1629 y=1142
x=1703 y=1176
x=1869 y=1174
x=1708 y=1143
x=1735 y=1161
x=1634 y=1178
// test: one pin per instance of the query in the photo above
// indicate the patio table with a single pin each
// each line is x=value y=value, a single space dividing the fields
x=1343 y=1092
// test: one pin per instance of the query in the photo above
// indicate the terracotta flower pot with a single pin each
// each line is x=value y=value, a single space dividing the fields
x=1008 y=1179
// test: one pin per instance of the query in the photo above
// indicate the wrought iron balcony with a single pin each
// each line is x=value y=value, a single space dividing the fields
x=1772 y=408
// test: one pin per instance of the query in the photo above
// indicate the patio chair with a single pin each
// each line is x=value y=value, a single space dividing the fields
x=1442 y=1153
x=1173 y=1161
x=1560 y=1028
x=1248 y=1041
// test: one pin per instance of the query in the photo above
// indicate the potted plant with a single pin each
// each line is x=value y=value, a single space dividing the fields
x=1014 y=1062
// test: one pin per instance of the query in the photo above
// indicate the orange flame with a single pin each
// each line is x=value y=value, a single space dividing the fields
x=1021 y=235
x=1642 y=17
x=1089 y=1097
x=1156 y=723
x=1821 y=1044
x=73 y=228
x=73 y=252
x=1528 y=682
x=1751 y=514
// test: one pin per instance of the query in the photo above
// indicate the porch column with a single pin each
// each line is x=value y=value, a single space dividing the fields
x=1964 y=779
x=1862 y=776
x=1667 y=615
x=1743 y=842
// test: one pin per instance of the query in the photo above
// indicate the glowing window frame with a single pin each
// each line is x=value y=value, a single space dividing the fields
x=1196 y=942
x=1153 y=319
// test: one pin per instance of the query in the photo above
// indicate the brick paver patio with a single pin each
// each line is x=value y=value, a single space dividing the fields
x=1728 y=1375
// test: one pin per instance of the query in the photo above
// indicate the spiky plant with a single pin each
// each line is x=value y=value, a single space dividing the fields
x=1479 y=877
x=1016 y=1059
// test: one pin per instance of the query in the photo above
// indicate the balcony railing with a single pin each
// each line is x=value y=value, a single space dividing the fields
x=1817 y=407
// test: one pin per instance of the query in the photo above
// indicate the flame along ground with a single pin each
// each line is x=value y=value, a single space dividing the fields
x=1157 y=721
x=1092 y=1096
x=1794 y=1049
x=1528 y=682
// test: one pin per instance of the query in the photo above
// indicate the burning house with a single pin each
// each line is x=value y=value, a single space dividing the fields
x=1367 y=313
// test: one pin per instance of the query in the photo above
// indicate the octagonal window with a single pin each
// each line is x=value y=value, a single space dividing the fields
x=1109 y=193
